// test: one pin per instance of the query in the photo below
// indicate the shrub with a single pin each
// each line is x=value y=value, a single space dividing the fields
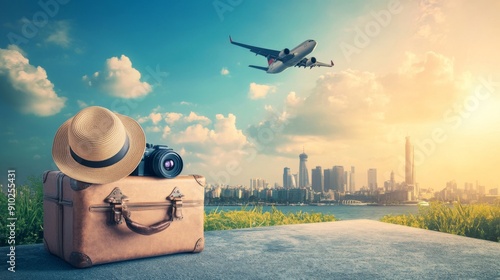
x=28 y=211
x=256 y=217
x=474 y=220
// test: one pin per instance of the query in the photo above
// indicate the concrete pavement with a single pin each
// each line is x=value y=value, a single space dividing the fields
x=352 y=249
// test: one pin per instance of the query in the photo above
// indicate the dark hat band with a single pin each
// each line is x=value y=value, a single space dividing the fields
x=102 y=163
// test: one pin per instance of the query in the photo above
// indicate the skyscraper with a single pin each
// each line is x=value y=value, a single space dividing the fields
x=317 y=179
x=352 y=180
x=338 y=178
x=294 y=180
x=409 y=164
x=392 y=183
x=347 y=185
x=327 y=185
x=372 y=179
x=303 y=172
x=287 y=178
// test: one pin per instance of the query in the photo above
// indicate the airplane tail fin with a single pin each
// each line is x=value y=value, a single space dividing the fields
x=270 y=60
x=259 y=67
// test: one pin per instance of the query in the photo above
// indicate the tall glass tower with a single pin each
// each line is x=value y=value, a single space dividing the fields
x=303 y=173
x=372 y=179
x=409 y=167
x=317 y=179
x=287 y=178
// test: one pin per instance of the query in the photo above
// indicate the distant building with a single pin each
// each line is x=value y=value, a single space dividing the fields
x=287 y=178
x=294 y=179
x=257 y=184
x=372 y=179
x=303 y=171
x=338 y=178
x=392 y=182
x=409 y=163
x=327 y=182
x=352 y=181
x=346 y=181
x=317 y=179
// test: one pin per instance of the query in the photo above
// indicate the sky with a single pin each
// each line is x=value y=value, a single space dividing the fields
x=423 y=69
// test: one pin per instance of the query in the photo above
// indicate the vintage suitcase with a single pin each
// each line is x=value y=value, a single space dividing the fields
x=135 y=217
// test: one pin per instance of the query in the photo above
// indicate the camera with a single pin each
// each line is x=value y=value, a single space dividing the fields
x=159 y=161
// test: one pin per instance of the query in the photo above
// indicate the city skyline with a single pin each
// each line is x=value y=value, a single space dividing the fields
x=344 y=181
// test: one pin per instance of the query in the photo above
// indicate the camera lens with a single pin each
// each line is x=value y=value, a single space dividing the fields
x=169 y=164
x=166 y=163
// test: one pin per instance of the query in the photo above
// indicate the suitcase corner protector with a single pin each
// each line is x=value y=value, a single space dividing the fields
x=80 y=260
x=199 y=246
x=199 y=179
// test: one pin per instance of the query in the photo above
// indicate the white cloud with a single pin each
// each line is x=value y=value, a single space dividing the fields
x=82 y=104
x=153 y=129
x=212 y=148
x=172 y=117
x=224 y=71
x=292 y=100
x=206 y=143
x=340 y=104
x=155 y=117
x=350 y=105
x=119 y=79
x=196 y=133
x=424 y=88
x=142 y=119
x=432 y=20
x=257 y=91
x=166 y=132
x=225 y=132
x=60 y=34
x=193 y=117
x=27 y=87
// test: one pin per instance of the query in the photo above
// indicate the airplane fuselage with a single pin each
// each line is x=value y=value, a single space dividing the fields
x=298 y=53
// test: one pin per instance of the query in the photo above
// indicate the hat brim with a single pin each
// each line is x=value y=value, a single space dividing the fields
x=66 y=163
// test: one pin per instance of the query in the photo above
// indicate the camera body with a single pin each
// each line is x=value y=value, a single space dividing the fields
x=159 y=161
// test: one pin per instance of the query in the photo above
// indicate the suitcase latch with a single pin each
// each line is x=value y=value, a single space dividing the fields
x=117 y=201
x=176 y=198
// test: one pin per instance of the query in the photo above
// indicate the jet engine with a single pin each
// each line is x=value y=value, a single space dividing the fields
x=284 y=52
x=310 y=62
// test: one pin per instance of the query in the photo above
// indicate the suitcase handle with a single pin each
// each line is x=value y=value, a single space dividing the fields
x=142 y=229
x=119 y=209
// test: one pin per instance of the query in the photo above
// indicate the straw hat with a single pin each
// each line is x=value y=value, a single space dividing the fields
x=98 y=146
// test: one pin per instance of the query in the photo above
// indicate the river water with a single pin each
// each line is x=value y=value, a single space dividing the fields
x=341 y=212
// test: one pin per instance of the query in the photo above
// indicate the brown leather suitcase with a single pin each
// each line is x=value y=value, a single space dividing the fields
x=135 y=217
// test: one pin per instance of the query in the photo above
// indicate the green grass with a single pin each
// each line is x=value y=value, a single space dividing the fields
x=475 y=220
x=28 y=211
x=256 y=217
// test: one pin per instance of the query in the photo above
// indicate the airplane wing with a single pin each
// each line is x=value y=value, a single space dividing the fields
x=258 y=51
x=312 y=62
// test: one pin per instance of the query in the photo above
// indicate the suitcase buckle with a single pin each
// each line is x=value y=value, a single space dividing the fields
x=117 y=201
x=176 y=198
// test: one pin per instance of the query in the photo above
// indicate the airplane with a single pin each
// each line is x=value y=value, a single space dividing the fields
x=280 y=60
